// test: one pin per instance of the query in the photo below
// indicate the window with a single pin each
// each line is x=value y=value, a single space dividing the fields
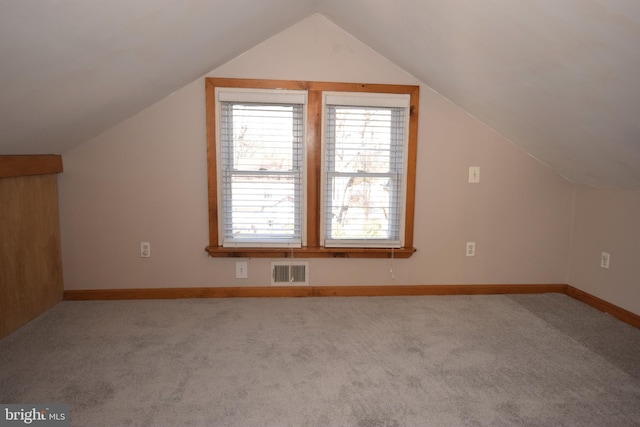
x=310 y=169
x=260 y=167
x=365 y=141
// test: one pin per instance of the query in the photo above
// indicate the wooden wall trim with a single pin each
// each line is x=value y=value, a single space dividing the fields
x=12 y=166
x=31 y=279
x=602 y=305
x=314 y=247
x=308 y=291
x=350 y=291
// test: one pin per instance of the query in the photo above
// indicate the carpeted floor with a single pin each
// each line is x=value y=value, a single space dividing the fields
x=523 y=360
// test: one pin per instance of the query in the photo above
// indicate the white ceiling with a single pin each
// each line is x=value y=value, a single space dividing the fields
x=560 y=78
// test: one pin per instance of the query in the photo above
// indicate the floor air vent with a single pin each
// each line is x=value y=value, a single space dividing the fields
x=289 y=273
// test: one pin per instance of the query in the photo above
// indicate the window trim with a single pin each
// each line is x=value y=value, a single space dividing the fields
x=313 y=159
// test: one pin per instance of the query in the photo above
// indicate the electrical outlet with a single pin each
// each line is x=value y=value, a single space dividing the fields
x=145 y=250
x=605 y=258
x=241 y=270
x=471 y=248
x=474 y=174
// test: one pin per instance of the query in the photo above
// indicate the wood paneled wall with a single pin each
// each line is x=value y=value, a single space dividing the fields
x=30 y=256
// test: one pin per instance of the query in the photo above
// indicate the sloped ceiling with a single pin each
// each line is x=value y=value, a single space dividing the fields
x=70 y=69
x=560 y=78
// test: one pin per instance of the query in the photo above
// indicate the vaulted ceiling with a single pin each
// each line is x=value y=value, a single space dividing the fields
x=560 y=78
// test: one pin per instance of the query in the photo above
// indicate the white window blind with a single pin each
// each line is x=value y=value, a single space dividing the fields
x=261 y=172
x=365 y=140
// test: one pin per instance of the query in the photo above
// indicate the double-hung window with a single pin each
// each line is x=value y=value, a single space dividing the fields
x=365 y=151
x=261 y=167
x=310 y=169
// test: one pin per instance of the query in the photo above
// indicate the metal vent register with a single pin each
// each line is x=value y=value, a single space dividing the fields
x=290 y=273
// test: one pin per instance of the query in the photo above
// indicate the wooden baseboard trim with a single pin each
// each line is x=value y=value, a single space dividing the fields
x=602 y=305
x=350 y=291
x=308 y=291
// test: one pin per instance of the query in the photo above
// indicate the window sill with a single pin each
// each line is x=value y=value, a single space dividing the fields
x=220 y=252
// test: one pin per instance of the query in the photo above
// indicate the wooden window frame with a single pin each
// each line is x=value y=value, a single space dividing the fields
x=313 y=248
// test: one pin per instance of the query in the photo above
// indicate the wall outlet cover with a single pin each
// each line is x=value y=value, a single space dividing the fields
x=474 y=174
x=145 y=250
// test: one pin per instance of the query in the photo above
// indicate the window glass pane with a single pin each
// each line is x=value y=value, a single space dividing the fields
x=262 y=206
x=363 y=140
x=362 y=208
x=263 y=136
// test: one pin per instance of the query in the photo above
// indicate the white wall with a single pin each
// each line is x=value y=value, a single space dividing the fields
x=145 y=179
x=606 y=220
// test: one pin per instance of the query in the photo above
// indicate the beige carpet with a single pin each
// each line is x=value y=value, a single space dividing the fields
x=372 y=361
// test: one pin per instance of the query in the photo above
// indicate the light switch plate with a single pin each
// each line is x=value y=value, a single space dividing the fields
x=605 y=258
x=241 y=270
